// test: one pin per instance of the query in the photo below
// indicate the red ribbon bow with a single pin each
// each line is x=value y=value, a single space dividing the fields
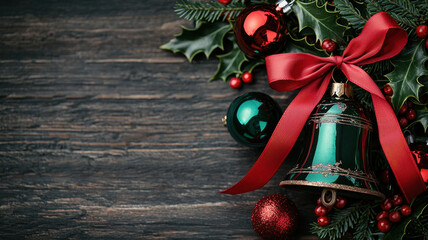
x=381 y=38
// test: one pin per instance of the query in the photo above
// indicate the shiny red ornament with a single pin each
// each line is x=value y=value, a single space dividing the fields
x=235 y=83
x=225 y=2
x=260 y=31
x=274 y=217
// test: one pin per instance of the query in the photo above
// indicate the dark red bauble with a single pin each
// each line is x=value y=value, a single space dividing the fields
x=384 y=225
x=320 y=211
x=260 y=31
x=235 y=83
x=247 y=77
x=274 y=217
x=422 y=31
x=394 y=216
x=406 y=210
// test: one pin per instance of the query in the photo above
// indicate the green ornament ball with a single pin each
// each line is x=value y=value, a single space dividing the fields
x=252 y=118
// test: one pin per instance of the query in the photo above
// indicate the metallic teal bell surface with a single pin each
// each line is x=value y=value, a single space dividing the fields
x=336 y=144
x=252 y=117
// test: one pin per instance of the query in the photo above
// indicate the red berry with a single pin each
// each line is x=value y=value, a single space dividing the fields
x=319 y=202
x=382 y=215
x=397 y=200
x=235 y=83
x=384 y=225
x=403 y=121
x=411 y=115
x=426 y=43
x=394 y=216
x=320 y=211
x=329 y=45
x=403 y=109
x=225 y=2
x=340 y=202
x=406 y=210
x=384 y=177
x=388 y=90
x=247 y=77
x=329 y=208
x=323 y=221
x=386 y=204
x=422 y=31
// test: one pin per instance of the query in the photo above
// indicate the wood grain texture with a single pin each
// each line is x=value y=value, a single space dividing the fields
x=106 y=136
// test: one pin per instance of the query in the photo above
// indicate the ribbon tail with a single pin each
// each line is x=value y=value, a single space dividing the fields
x=391 y=138
x=282 y=140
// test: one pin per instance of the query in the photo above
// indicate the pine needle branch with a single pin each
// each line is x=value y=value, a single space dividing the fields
x=208 y=11
x=351 y=14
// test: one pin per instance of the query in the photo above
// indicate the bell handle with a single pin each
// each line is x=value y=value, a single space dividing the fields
x=328 y=197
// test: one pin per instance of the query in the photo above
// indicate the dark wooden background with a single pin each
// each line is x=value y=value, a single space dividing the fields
x=105 y=136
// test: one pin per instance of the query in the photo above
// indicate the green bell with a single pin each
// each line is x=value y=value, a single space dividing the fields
x=335 y=155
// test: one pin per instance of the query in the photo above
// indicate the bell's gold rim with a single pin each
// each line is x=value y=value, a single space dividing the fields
x=332 y=186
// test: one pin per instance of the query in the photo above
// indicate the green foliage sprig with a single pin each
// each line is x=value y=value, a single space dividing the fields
x=208 y=11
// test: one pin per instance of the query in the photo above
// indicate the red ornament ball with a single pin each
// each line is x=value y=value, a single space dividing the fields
x=422 y=31
x=388 y=90
x=406 y=210
x=235 y=83
x=260 y=30
x=323 y=221
x=394 y=216
x=225 y=2
x=247 y=77
x=320 y=211
x=329 y=45
x=384 y=225
x=274 y=217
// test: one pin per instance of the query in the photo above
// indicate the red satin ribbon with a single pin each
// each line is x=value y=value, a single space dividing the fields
x=381 y=38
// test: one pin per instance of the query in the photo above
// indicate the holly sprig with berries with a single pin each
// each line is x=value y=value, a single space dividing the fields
x=324 y=28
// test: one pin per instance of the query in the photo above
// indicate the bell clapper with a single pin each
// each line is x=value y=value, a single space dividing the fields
x=328 y=197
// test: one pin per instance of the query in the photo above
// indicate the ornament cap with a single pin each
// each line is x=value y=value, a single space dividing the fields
x=341 y=89
x=284 y=6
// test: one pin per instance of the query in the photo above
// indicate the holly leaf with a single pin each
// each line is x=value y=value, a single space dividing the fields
x=205 y=38
x=253 y=63
x=230 y=62
x=322 y=21
x=418 y=206
x=302 y=45
x=409 y=67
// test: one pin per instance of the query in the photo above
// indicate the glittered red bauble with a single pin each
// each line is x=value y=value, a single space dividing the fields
x=274 y=217
x=260 y=31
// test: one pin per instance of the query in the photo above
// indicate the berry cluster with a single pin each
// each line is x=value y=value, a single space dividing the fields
x=321 y=210
x=422 y=32
x=236 y=82
x=406 y=113
x=392 y=211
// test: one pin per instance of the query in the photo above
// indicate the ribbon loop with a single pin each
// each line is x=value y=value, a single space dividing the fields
x=380 y=39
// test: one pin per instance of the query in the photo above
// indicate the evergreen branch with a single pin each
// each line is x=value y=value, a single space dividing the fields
x=351 y=14
x=362 y=230
x=342 y=221
x=208 y=11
